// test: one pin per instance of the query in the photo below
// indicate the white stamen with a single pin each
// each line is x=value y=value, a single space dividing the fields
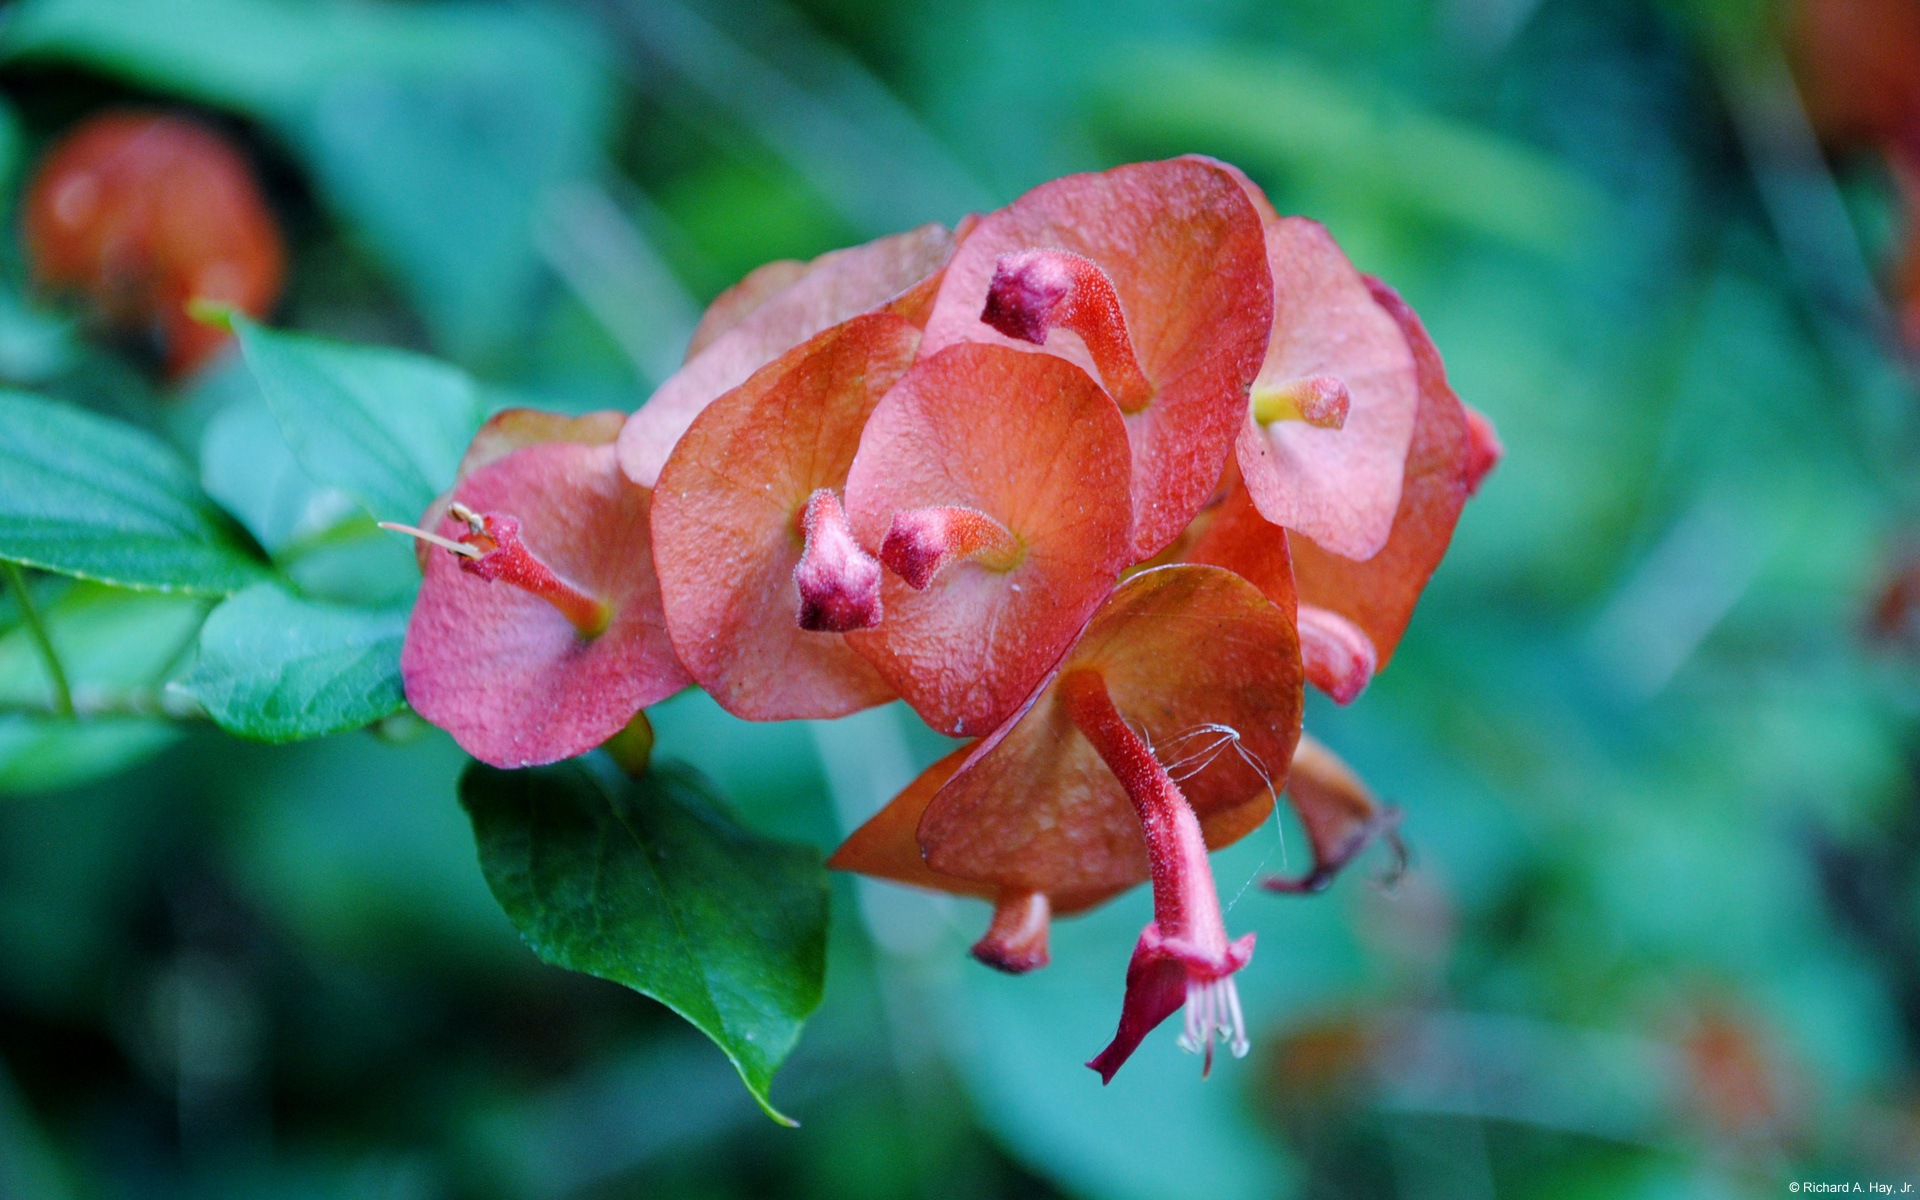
x=462 y=513
x=1213 y=1011
x=460 y=548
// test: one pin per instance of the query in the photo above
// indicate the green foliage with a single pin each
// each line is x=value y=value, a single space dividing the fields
x=1333 y=136
x=279 y=668
x=383 y=426
x=84 y=495
x=435 y=130
x=117 y=648
x=647 y=884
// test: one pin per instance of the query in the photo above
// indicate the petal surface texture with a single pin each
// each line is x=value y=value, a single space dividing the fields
x=727 y=523
x=1031 y=442
x=1182 y=245
x=501 y=669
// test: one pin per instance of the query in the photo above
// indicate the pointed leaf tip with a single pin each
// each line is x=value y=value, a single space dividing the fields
x=646 y=884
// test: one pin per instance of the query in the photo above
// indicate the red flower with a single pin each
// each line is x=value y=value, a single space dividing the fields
x=145 y=214
x=1324 y=443
x=994 y=485
x=1067 y=803
x=759 y=571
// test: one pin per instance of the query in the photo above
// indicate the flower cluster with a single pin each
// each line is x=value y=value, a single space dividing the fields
x=1098 y=481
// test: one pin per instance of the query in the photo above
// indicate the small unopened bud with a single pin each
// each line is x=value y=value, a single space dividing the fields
x=839 y=582
x=1036 y=291
x=1339 y=657
x=1028 y=289
x=1016 y=942
x=632 y=748
x=1341 y=815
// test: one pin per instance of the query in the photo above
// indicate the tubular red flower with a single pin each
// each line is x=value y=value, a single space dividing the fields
x=498 y=663
x=504 y=558
x=1189 y=659
x=919 y=543
x=1016 y=941
x=1183 y=956
x=1035 y=291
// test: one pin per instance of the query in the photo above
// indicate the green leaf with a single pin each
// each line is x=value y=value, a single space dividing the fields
x=84 y=495
x=646 y=884
x=279 y=668
x=384 y=426
x=246 y=466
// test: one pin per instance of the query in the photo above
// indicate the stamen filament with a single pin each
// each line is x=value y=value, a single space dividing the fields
x=433 y=539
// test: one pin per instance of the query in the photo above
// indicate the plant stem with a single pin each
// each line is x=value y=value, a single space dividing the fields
x=135 y=702
x=62 y=692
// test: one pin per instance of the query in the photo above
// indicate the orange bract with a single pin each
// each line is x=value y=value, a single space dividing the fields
x=506 y=672
x=1182 y=247
x=726 y=523
x=1032 y=443
x=757 y=321
x=144 y=214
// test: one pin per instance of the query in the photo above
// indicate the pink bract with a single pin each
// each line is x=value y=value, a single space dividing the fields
x=1338 y=485
x=504 y=671
x=1443 y=465
x=1032 y=444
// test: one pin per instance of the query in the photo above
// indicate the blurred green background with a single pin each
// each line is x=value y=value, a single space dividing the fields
x=1662 y=935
